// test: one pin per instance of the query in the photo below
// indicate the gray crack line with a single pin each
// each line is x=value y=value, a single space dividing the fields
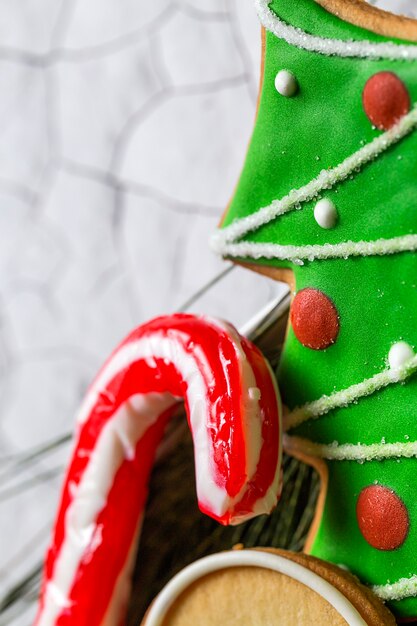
x=128 y=186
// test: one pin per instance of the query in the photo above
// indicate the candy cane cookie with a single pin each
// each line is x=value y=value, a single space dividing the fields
x=233 y=412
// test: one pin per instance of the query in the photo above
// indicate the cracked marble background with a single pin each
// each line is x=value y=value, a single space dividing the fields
x=124 y=125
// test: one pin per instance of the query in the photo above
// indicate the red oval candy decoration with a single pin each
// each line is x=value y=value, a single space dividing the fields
x=385 y=100
x=314 y=319
x=382 y=517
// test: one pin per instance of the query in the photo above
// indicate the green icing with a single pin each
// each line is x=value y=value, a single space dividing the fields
x=376 y=297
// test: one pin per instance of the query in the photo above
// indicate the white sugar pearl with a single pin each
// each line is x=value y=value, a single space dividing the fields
x=399 y=354
x=325 y=213
x=286 y=84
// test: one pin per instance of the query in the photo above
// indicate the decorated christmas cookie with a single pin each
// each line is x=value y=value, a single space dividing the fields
x=259 y=587
x=234 y=415
x=327 y=200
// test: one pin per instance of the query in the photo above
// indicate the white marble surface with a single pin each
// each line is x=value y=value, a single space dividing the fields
x=124 y=125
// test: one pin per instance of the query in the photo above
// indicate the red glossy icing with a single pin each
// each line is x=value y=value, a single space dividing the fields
x=385 y=99
x=314 y=319
x=218 y=361
x=270 y=432
x=382 y=517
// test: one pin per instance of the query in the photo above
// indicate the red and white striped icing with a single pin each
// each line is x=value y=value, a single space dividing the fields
x=234 y=414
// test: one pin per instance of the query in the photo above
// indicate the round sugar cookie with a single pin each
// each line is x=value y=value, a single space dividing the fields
x=263 y=587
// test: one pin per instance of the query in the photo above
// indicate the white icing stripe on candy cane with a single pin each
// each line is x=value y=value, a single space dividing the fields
x=345 y=397
x=123 y=358
x=332 y=47
x=115 y=444
x=351 y=452
x=343 y=250
x=225 y=242
x=403 y=588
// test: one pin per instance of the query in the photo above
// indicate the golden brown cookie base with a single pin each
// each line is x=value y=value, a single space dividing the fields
x=360 y=13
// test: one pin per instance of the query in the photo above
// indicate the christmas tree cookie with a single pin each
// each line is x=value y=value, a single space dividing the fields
x=328 y=201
